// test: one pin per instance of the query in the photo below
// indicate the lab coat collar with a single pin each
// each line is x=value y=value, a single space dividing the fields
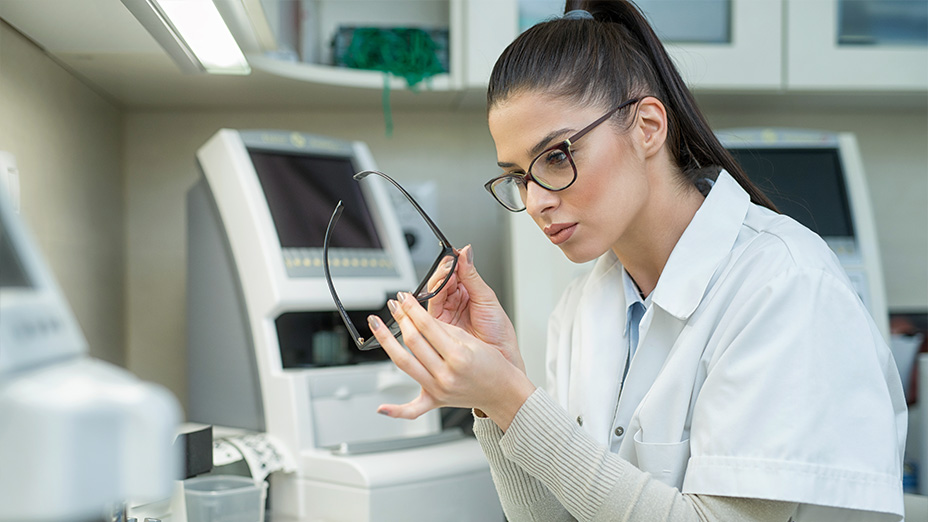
x=707 y=240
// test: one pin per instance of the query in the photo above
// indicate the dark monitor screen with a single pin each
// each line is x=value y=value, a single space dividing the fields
x=806 y=184
x=12 y=272
x=302 y=191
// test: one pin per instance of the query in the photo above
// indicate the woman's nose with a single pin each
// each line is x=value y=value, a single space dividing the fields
x=538 y=199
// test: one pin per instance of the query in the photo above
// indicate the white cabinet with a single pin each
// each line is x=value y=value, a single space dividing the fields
x=716 y=44
x=751 y=59
x=489 y=26
x=787 y=46
x=818 y=60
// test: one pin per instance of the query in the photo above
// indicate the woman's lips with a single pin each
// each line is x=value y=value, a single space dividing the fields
x=560 y=232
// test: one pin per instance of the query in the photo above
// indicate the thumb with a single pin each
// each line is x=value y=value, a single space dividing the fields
x=467 y=273
x=411 y=410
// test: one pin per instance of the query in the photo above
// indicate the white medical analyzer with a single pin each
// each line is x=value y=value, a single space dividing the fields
x=79 y=437
x=268 y=352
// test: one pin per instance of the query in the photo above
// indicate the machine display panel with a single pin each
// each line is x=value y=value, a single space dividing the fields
x=302 y=191
x=806 y=184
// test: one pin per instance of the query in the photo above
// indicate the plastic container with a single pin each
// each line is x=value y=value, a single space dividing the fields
x=224 y=498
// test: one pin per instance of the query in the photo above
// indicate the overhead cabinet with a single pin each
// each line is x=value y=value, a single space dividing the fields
x=718 y=45
x=845 y=45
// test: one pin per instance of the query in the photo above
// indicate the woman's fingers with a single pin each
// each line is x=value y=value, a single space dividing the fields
x=437 y=302
x=400 y=356
x=420 y=347
x=421 y=332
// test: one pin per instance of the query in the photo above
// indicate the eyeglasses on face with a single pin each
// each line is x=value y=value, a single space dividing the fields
x=422 y=293
x=554 y=169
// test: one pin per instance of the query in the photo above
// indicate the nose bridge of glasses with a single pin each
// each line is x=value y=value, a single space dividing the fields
x=538 y=197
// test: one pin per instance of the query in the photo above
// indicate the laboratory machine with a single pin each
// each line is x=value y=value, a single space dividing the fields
x=79 y=438
x=267 y=351
x=818 y=179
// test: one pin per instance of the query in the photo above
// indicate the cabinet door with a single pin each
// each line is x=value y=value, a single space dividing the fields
x=751 y=57
x=716 y=44
x=488 y=26
x=822 y=54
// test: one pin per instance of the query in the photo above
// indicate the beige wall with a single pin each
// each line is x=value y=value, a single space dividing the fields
x=67 y=142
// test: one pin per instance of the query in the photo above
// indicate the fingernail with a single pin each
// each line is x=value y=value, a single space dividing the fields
x=470 y=255
x=383 y=411
x=391 y=304
x=401 y=296
x=374 y=322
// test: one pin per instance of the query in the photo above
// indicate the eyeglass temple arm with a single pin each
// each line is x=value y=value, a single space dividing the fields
x=441 y=237
x=328 y=277
x=605 y=117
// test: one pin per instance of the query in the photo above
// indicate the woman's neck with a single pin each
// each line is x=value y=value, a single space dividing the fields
x=646 y=247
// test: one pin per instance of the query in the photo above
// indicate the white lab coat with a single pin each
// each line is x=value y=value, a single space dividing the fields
x=759 y=373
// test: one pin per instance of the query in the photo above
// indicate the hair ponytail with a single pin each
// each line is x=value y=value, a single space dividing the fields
x=611 y=58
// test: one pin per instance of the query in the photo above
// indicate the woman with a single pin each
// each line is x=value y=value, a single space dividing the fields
x=716 y=363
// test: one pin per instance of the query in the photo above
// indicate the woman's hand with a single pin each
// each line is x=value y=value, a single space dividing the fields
x=470 y=304
x=453 y=367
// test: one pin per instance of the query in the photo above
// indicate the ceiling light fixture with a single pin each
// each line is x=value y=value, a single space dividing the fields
x=193 y=33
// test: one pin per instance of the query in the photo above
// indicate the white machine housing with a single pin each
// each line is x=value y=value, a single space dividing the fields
x=77 y=435
x=353 y=464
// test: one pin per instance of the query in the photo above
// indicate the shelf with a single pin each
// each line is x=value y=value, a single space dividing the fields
x=342 y=76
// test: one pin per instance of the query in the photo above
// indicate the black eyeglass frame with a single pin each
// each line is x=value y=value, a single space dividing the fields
x=563 y=146
x=420 y=294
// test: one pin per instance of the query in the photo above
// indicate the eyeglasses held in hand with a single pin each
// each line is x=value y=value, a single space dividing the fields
x=554 y=169
x=422 y=293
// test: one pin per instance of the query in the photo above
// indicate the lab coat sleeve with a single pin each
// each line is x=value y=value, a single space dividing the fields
x=596 y=485
x=801 y=403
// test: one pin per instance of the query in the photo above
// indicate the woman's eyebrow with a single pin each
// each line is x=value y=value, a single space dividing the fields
x=543 y=142
x=538 y=147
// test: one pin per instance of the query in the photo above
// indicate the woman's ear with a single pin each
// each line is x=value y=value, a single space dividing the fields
x=652 y=125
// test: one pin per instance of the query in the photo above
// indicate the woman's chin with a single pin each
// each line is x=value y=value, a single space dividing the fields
x=578 y=256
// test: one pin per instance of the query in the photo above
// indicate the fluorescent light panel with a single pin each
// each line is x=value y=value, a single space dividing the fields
x=193 y=33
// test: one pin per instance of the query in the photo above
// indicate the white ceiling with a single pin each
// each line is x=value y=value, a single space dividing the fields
x=100 y=41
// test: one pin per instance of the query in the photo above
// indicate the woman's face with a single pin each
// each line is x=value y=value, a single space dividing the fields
x=602 y=207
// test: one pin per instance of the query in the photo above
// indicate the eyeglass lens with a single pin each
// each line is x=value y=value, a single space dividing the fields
x=553 y=169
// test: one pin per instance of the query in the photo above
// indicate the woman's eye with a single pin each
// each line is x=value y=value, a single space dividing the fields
x=555 y=157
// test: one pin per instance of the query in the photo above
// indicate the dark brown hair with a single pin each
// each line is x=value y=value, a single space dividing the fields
x=606 y=60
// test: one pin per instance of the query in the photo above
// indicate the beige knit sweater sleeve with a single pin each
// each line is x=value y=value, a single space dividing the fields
x=546 y=468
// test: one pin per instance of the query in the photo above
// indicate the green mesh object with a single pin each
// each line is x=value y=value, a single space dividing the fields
x=408 y=53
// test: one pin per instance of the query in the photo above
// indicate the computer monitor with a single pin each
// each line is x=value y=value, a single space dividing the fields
x=301 y=190
x=817 y=178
